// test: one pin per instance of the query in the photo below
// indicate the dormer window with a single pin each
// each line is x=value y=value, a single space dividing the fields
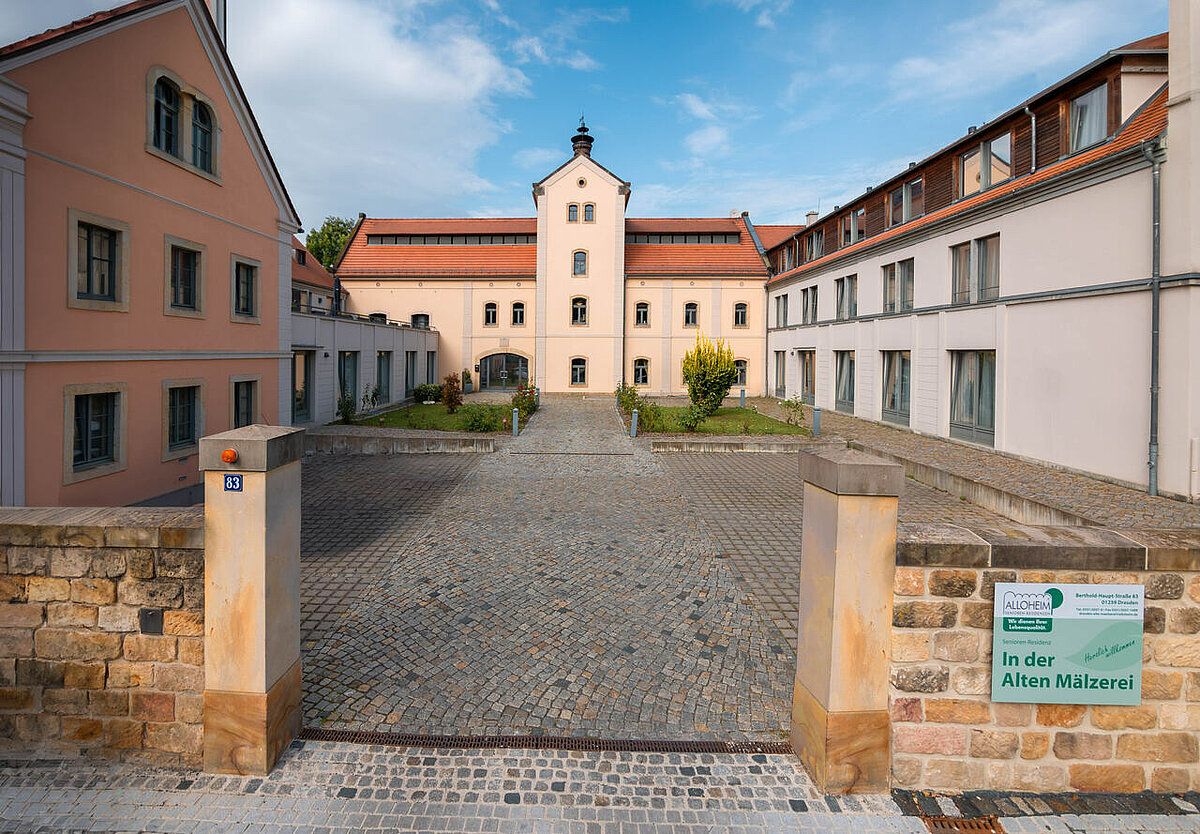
x=986 y=165
x=166 y=117
x=1089 y=118
x=906 y=202
x=300 y=259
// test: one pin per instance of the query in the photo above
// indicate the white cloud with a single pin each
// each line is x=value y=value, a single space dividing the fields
x=764 y=11
x=370 y=107
x=556 y=43
x=535 y=158
x=1011 y=40
x=19 y=18
x=707 y=141
x=696 y=106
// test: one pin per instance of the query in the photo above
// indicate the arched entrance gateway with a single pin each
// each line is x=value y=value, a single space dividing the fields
x=503 y=371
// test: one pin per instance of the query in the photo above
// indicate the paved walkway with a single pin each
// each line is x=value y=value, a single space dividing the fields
x=1096 y=500
x=322 y=787
x=562 y=587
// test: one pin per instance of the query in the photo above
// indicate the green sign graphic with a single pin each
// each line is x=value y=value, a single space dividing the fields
x=1067 y=644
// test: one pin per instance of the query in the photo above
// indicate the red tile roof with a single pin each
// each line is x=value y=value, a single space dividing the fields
x=772 y=236
x=1147 y=123
x=310 y=272
x=520 y=260
x=75 y=26
x=1154 y=42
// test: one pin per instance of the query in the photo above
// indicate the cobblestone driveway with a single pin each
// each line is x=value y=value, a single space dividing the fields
x=561 y=588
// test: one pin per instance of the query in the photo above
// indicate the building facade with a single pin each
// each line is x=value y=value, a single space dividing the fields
x=146 y=246
x=1000 y=292
x=577 y=298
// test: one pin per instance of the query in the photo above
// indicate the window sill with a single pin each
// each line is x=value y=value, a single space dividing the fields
x=97 y=304
x=183 y=312
x=178 y=162
x=89 y=471
x=238 y=318
x=900 y=418
x=169 y=455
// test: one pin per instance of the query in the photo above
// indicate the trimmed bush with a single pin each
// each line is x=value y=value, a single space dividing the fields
x=429 y=392
x=452 y=394
x=480 y=417
x=709 y=371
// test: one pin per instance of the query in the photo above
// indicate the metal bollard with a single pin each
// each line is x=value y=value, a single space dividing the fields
x=633 y=424
x=743 y=398
x=816 y=421
x=537 y=396
x=516 y=417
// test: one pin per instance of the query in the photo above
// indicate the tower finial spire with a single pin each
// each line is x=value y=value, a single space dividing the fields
x=581 y=141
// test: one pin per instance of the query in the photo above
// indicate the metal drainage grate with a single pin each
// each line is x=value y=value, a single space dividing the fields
x=948 y=824
x=778 y=748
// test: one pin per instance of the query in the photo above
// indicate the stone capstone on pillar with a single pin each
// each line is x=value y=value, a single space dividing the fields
x=840 y=725
x=251 y=596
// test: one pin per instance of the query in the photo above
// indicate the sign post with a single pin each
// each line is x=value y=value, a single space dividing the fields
x=1067 y=644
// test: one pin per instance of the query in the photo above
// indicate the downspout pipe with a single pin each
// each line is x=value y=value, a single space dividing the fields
x=1032 y=139
x=1152 y=149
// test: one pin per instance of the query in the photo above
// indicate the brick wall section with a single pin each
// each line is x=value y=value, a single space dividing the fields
x=946 y=732
x=76 y=671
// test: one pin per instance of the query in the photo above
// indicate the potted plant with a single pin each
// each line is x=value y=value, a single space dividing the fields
x=466 y=381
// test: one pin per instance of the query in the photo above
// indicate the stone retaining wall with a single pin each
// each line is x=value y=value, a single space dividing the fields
x=82 y=664
x=364 y=440
x=946 y=732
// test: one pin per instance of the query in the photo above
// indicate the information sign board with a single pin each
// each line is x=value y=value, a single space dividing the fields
x=1067 y=644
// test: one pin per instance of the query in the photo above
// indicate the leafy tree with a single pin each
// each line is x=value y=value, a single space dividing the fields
x=327 y=241
x=709 y=371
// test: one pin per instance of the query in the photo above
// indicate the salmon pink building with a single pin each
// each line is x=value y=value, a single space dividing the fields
x=145 y=258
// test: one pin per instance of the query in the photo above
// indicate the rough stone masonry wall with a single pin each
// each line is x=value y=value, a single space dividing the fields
x=947 y=733
x=76 y=670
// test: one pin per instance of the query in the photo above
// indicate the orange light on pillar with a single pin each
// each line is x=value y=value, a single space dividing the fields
x=229 y=456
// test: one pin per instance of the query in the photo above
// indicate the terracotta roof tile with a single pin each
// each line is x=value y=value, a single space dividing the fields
x=94 y=19
x=1148 y=123
x=741 y=258
x=310 y=272
x=772 y=236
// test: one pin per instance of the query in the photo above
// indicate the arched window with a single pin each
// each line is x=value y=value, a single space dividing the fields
x=691 y=314
x=202 y=137
x=578 y=311
x=166 y=117
x=578 y=371
x=740 y=364
x=589 y=213
x=420 y=321
x=739 y=314
x=573 y=213
x=641 y=371
x=490 y=317
x=580 y=263
x=641 y=314
x=518 y=314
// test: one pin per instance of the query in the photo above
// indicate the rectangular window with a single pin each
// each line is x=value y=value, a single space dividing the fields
x=185 y=265
x=641 y=371
x=808 y=305
x=1089 y=118
x=781 y=373
x=518 y=314
x=691 y=314
x=781 y=310
x=854 y=227
x=898 y=286
x=95 y=429
x=420 y=321
x=985 y=165
x=906 y=202
x=245 y=277
x=579 y=372
x=741 y=366
x=245 y=393
x=431 y=372
x=383 y=375
x=739 y=315
x=975 y=270
x=348 y=373
x=897 y=367
x=814 y=245
x=410 y=371
x=808 y=376
x=844 y=398
x=97 y=263
x=641 y=315
x=182 y=414
x=302 y=364
x=973 y=396
x=847 y=297
x=490 y=315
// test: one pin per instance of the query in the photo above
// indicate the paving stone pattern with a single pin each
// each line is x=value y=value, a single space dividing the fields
x=561 y=588
x=1104 y=503
x=325 y=787
x=752 y=503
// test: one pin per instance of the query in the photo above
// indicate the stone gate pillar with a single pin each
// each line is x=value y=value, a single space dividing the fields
x=251 y=596
x=840 y=727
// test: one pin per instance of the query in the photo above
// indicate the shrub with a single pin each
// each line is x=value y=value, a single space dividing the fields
x=481 y=417
x=690 y=417
x=709 y=371
x=429 y=392
x=451 y=393
x=627 y=398
x=524 y=399
x=466 y=377
x=347 y=407
x=370 y=397
x=649 y=416
x=793 y=410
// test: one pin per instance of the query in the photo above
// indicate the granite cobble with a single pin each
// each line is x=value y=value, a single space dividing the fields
x=560 y=587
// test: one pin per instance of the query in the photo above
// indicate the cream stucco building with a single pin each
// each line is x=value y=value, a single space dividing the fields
x=575 y=299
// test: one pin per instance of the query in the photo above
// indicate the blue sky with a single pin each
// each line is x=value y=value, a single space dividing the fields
x=423 y=108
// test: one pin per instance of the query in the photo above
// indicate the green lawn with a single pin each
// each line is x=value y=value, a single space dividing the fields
x=421 y=416
x=731 y=420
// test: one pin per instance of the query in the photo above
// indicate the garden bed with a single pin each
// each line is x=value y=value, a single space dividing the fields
x=727 y=421
x=433 y=417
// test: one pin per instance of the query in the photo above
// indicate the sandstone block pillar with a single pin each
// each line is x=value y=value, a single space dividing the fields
x=840 y=726
x=251 y=596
